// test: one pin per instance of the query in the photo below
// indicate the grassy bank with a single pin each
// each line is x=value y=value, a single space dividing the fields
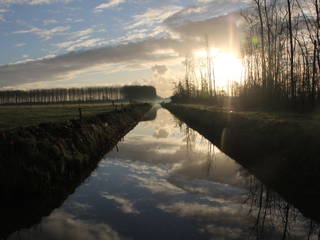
x=37 y=159
x=12 y=116
x=43 y=164
x=260 y=115
x=280 y=149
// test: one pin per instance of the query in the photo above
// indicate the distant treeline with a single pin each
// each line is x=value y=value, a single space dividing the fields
x=75 y=95
x=138 y=92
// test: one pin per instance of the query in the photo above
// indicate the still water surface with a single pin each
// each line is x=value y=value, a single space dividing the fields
x=168 y=182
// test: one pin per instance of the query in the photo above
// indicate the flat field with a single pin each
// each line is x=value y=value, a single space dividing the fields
x=12 y=116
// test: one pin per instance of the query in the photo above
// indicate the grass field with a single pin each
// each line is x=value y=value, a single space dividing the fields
x=26 y=115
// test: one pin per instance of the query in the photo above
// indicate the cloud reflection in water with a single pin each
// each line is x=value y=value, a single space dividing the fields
x=62 y=225
x=199 y=160
x=173 y=186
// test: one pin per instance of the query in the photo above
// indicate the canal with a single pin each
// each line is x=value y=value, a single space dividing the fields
x=165 y=181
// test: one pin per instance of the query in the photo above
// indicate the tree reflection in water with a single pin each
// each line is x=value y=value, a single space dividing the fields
x=270 y=212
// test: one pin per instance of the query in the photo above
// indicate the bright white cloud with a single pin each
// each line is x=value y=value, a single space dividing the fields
x=109 y=4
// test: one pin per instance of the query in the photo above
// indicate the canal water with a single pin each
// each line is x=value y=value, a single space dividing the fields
x=165 y=181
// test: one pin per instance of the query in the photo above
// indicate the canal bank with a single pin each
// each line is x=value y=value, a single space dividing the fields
x=39 y=159
x=282 y=153
x=167 y=182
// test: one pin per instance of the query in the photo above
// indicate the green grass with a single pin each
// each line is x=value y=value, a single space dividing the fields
x=26 y=115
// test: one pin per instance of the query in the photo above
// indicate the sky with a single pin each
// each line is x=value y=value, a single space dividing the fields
x=79 y=43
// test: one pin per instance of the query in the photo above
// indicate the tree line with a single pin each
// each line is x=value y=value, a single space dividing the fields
x=76 y=95
x=198 y=83
x=281 y=57
x=282 y=53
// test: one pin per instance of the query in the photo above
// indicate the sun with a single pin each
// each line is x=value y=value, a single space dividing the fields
x=228 y=69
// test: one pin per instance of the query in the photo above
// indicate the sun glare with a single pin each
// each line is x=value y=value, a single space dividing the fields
x=227 y=67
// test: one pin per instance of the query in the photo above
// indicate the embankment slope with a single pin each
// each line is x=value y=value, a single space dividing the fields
x=38 y=159
x=283 y=153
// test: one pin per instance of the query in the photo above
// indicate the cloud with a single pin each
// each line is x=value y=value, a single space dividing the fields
x=186 y=209
x=2 y=12
x=210 y=10
x=20 y=44
x=207 y=187
x=80 y=43
x=81 y=33
x=218 y=20
x=109 y=4
x=79 y=40
x=135 y=168
x=220 y=220
x=63 y=66
x=177 y=30
x=164 y=83
x=154 y=16
x=62 y=225
x=80 y=206
x=157 y=185
x=49 y=21
x=159 y=69
x=32 y=2
x=161 y=133
x=44 y=33
x=215 y=167
x=126 y=205
x=146 y=149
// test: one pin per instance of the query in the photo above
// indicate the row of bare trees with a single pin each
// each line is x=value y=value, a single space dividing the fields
x=282 y=53
x=281 y=57
x=199 y=80
x=75 y=95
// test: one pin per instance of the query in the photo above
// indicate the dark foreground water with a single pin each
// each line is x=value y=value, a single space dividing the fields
x=168 y=182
